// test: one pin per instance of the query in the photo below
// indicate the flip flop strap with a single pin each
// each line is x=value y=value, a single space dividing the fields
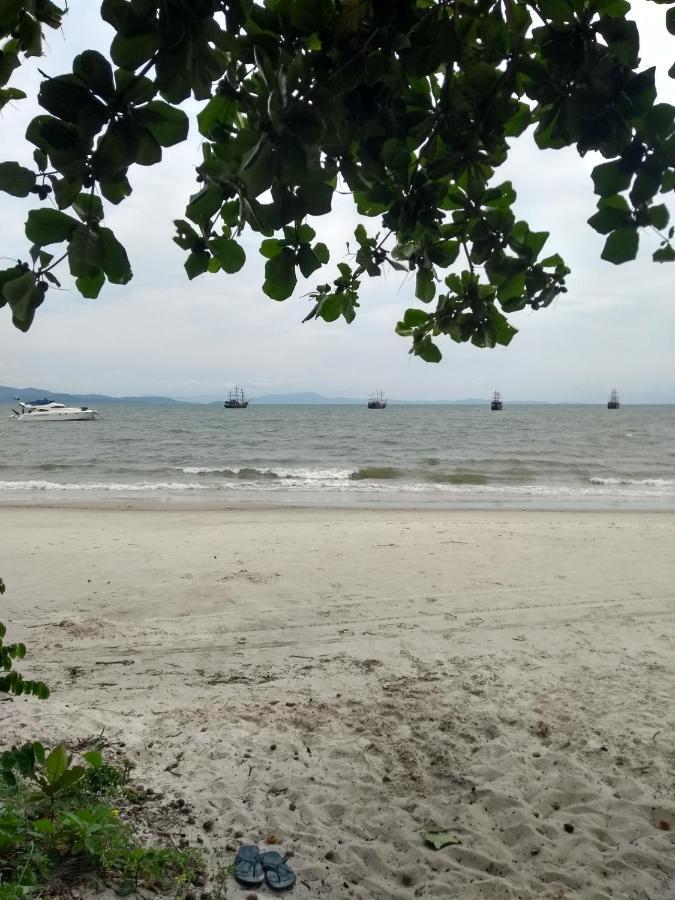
x=251 y=863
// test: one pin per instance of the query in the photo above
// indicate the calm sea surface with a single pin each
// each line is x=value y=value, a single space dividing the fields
x=449 y=456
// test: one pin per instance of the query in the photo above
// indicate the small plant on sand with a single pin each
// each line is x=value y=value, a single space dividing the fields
x=61 y=825
x=11 y=682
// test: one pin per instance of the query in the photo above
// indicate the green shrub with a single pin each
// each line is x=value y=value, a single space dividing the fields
x=58 y=824
x=11 y=681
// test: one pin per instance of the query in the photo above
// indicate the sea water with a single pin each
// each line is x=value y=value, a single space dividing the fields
x=546 y=456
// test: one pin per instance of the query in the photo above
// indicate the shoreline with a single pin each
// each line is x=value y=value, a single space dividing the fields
x=342 y=680
x=215 y=501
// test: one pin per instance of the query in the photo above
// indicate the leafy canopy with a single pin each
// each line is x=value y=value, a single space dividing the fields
x=409 y=106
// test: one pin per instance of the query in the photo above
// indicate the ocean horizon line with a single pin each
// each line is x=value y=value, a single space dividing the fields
x=9 y=393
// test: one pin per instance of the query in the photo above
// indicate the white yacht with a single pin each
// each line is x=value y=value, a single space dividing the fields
x=48 y=411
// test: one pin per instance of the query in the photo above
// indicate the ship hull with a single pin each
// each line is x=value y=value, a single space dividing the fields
x=85 y=415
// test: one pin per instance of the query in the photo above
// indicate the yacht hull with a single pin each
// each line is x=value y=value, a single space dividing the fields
x=83 y=415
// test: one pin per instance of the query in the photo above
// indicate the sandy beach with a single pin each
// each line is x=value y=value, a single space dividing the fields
x=341 y=681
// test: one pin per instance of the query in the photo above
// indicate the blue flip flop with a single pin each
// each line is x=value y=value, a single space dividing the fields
x=248 y=868
x=278 y=874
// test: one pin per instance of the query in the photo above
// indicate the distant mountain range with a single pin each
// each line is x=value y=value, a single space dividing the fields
x=8 y=394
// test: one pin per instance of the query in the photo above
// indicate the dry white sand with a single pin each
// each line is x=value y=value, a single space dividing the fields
x=343 y=680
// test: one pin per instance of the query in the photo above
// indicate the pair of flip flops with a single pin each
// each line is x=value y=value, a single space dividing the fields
x=251 y=868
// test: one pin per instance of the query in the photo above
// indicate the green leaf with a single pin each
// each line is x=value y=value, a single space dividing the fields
x=92 y=68
x=621 y=246
x=658 y=216
x=229 y=253
x=670 y=19
x=40 y=690
x=65 y=190
x=94 y=758
x=664 y=254
x=49 y=226
x=305 y=233
x=85 y=253
x=186 y=237
x=321 y=252
x=205 y=204
x=271 y=247
x=41 y=159
x=114 y=259
x=622 y=39
x=557 y=10
x=308 y=262
x=10 y=93
x=646 y=184
x=312 y=16
x=24 y=295
x=67 y=98
x=317 y=197
x=131 y=51
x=512 y=287
x=15 y=179
x=330 y=307
x=116 y=190
x=197 y=263
x=218 y=111
x=501 y=330
x=165 y=123
x=427 y=350
x=149 y=152
x=90 y=287
x=613 y=7
x=608 y=178
x=280 y=277
x=56 y=764
x=440 y=839
x=425 y=285
x=69 y=778
x=415 y=318
x=133 y=87
x=613 y=212
x=88 y=207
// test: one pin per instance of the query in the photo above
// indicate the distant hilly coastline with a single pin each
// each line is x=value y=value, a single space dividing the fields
x=8 y=394
x=303 y=398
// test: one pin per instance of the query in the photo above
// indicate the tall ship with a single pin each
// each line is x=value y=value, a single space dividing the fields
x=496 y=402
x=377 y=401
x=236 y=399
x=613 y=402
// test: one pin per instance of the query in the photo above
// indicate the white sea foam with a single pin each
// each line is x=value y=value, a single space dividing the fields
x=33 y=485
x=340 y=480
x=308 y=476
x=203 y=470
x=648 y=482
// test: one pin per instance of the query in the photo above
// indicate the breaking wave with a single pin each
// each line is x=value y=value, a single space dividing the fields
x=34 y=485
x=645 y=482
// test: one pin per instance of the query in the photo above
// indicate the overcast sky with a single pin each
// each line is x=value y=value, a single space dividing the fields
x=162 y=334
